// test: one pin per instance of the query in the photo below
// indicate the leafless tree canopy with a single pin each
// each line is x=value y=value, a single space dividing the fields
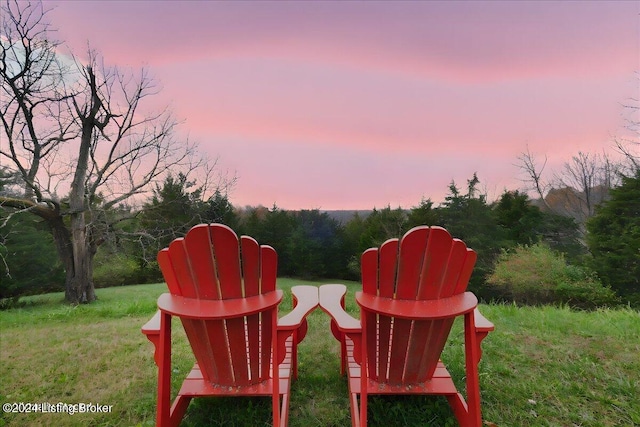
x=534 y=174
x=629 y=145
x=584 y=181
x=82 y=136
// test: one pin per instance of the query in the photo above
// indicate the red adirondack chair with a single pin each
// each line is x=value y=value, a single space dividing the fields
x=223 y=289
x=412 y=290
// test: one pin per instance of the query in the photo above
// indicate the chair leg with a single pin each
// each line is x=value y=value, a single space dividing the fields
x=294 y=357
x=459 y=408
x=364 y=379
x=284 y=410
x=275 y=370
x=343 y=357
x=471 y=362
x=178 y=409
x=355 y=410
x=277 y=421
x=163 y=416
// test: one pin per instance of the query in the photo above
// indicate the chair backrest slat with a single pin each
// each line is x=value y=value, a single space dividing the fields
x=198 y=246
x=227 y=258
x=269 y=269
x=421 y=333
x=388 y=262
x=238 y=349
x=250 y=265
x=182 y=268
x=166 y=266
x=253 y=341
x=411 y=260
x=214 y=362
x=454 y=269
x=436 y=257
x=437 y=340
x=466 y=271
x=369 y=263
x=266 y=324
x=399 y=348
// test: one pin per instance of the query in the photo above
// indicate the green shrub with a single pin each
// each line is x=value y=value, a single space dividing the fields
x=534 y=275
x=114 y=271
x=29 y=264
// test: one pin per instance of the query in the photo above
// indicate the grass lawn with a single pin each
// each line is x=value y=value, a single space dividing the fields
x=541 y=367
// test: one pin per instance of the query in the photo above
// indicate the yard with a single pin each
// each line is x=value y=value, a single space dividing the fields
x=541 y=367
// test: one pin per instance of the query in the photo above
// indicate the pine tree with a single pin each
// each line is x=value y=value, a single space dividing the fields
x=614 y=237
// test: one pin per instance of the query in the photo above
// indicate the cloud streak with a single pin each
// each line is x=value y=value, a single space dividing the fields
x=355 y=105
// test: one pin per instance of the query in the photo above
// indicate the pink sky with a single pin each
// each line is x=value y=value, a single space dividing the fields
x=355 y=105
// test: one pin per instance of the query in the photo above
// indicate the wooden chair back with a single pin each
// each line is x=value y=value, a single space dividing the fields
x=212 y=263
x=426 y=264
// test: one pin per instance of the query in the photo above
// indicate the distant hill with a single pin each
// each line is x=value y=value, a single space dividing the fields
x=344 y=216
x=573 y=203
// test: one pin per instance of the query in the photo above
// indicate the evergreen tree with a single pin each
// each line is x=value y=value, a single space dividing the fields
x=219 y=209
x=316 y=246
x=273 y=227
x=174 y=208
x=614 y=238
x=469 y=218
x=381 y=225
x=423 y=214
x=521 y=221
x=30 y=261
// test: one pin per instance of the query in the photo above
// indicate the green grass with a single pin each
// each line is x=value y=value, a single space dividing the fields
x=541 y=367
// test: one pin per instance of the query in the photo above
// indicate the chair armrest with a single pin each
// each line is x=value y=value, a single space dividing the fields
x=153 y=325
x=193 y=308
x=482 y=324
x=330 y=301
x=151 y=330
x=307 y=300
x=441 y=308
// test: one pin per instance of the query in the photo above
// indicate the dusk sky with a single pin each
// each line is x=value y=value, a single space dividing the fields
x=355 y=105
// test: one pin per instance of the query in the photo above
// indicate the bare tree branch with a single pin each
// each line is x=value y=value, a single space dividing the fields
x=534 y=173
x=82 y=129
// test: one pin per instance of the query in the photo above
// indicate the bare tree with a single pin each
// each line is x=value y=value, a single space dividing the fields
x=591 y=176
x=576 y=190
x=629 y=145
x=80 y=128
x=533 y=171
x=586 y=179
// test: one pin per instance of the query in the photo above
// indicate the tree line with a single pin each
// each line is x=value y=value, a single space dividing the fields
x=313 y=245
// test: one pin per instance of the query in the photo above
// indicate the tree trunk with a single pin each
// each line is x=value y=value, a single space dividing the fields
x=76 y=257
x=62 y=241
x=79 y=287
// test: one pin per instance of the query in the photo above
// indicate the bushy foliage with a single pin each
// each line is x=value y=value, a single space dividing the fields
x=468 y=217
x=119 y=267
x=312 y=244
x=309 y=243
x=523 y=223
x=614 y=238
x=32 y=265
x=535 y=274
x=112 y=270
